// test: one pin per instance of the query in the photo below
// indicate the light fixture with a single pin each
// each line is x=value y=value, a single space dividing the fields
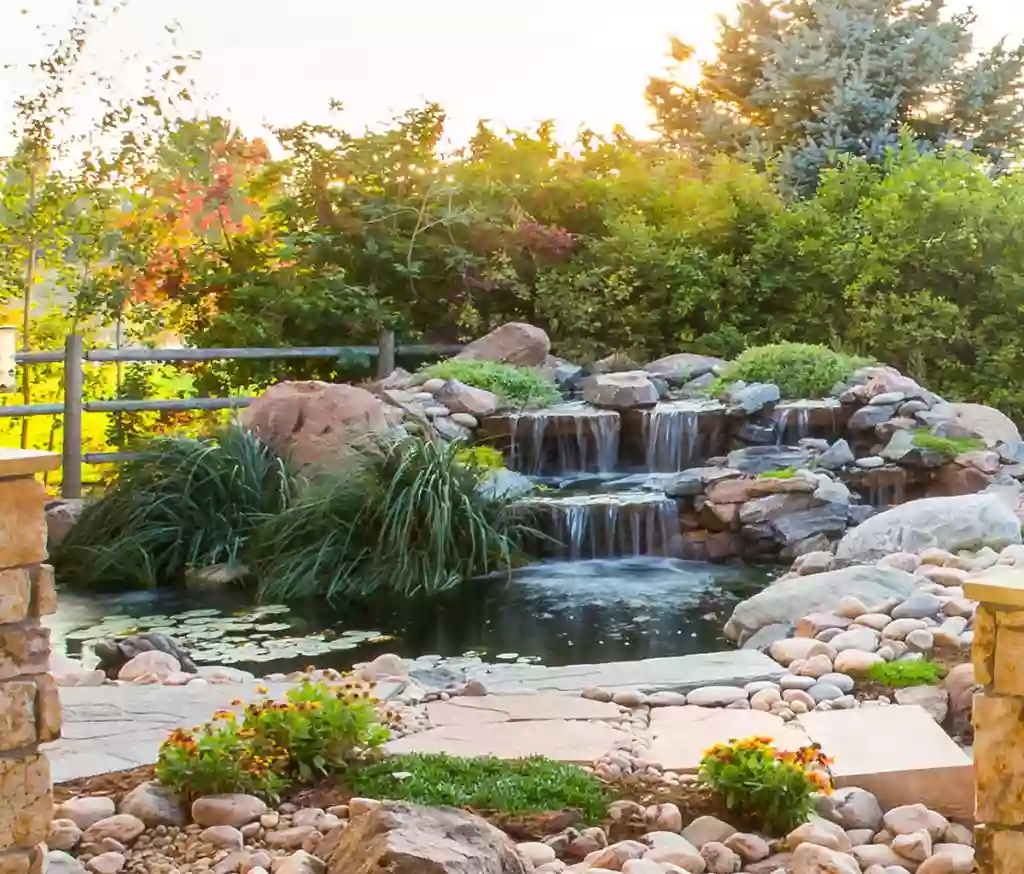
x=8 y=369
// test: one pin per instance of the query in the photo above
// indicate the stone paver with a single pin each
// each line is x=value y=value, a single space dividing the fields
x=574 y=741
x=116 y=728
x=544 y=705
x=676 y=674
x=680 y=735
x=899 y=753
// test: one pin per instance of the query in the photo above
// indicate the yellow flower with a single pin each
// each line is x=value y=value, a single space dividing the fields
x=261 y=690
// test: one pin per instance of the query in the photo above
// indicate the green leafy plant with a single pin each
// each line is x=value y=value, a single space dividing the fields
x=519 y=386
x=317 y=730
x=481 y=458
x=181 y=503
x=520 y=786
x=771 y=789
x=899 y=675
x=404 y=518
x=778 y=473
x=800 y=370
x=947 y=445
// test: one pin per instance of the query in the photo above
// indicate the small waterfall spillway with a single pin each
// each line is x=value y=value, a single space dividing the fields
x=797 y=420
x=564 y=440
x=609 y=525
x=680 y=434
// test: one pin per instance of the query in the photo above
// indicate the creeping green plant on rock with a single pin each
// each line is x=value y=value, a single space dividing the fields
x=800 y=370
x=899 y=675
x=518 y=386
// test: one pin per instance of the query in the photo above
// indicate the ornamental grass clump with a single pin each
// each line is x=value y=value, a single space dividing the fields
x=318 y=730
x=770 y=789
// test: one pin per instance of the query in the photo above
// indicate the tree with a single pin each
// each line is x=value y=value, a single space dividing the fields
x=806 y=81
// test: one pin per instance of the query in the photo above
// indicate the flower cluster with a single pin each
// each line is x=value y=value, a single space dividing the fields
x=315 y=731
x=771 y=788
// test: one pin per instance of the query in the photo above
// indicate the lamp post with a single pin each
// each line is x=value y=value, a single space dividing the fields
x=8 y=369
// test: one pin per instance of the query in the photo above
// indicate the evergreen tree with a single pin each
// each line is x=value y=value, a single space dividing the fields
x=806 y=81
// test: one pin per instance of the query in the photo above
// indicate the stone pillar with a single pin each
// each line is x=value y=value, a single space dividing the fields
x=29 y=703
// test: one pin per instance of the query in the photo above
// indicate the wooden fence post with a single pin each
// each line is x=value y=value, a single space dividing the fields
x=385 y=352
x=71 y=484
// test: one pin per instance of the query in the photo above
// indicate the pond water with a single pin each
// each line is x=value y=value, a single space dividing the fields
x=556 y=613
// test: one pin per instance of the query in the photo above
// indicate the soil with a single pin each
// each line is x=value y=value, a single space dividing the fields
x=114 y=785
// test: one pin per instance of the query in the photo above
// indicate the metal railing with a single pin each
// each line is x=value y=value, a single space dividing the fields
x=74 y=405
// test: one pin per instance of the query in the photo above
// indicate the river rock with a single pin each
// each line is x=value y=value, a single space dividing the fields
x=865 y=639
x=122 y=827
x=511 y=343
x=461 y=398
x=155 y=804
x=748 y=399
x=815 y=859
x=106 y=863
x=317 y=422
x=719 y=859
x=855 y=662
x=953 y=523
x=64 y=835
x=918 y=606
x=793 y=648
x=715 y=696
x=916 y=846
x=786 y=601
x=85 y=810
x=707 y=829
x=855 y=808
x=621 y=391
x=228 y=809
x=408 y=839
x=837 y=456
x=751 y=848
x=59 y=862
x=684 y=366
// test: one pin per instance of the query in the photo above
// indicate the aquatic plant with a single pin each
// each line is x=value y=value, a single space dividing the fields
x=404 y=518
x=519 y=786
x=180 y=503
x=518 y=386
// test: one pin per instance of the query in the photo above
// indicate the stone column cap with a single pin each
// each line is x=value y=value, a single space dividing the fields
x=999 y=586
x=24 y=462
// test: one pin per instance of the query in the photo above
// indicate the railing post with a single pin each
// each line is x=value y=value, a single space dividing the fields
x=71 y=484
x=385 y=352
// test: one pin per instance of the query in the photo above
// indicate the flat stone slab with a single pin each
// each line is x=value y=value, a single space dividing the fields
x=674 y=674
x=574 y=741
x=899 y=753
x=680 y=735
x=515 y=708
x=117 y=728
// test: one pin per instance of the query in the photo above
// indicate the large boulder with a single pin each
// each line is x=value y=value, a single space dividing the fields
x=408 y=839
x=61 y=516
x=787 y=601
x=461 y=398
x=621 y=391
x=512 y=343
x=952 y=523
x=988 y=423
x=315 y=422
x=113 y=655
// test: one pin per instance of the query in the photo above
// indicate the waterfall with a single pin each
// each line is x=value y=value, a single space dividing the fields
x=567 y=439
x=672 y=435
x=614 y=525
x=781 y=416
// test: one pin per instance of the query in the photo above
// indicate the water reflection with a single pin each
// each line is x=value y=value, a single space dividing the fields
x=557 y=613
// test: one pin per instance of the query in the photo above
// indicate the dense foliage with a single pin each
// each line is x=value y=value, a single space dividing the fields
x=181 y=503
x=520 y=786
x=898 y=675
x=798 y=369
x=770 y=789
x=518 y=386
x=805 y=82
x=316 y=731
x=407 y=518
x=403 y=516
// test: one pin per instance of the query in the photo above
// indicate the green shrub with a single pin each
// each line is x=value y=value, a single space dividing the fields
x=800 y=370
x=405 y=518
x=520 y=786
x=314 y=732
x=771 y=789
x=779 y=473
x=182 y=503
x=518 y=386
x=482 y=459
x=947 y=445
x=898 y=675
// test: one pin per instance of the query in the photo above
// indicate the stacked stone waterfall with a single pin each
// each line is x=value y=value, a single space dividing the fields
x=29 y=702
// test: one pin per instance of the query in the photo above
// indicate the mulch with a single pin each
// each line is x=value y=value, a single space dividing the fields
x=114 y=785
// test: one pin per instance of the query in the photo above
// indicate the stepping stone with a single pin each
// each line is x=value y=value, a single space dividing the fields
x=514 y=708
x=673 y=674
x=577 y=741
x=681 y=735
x=898 y=753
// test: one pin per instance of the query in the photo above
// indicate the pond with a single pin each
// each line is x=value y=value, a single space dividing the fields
x=556 y=613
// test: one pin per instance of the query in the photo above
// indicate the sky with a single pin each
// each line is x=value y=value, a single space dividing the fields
x=515 y=62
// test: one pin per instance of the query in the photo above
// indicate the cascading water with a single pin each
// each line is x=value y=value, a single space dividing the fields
x=585 y=440
x=796 y=420
x=613 y=525
x=673 y=438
